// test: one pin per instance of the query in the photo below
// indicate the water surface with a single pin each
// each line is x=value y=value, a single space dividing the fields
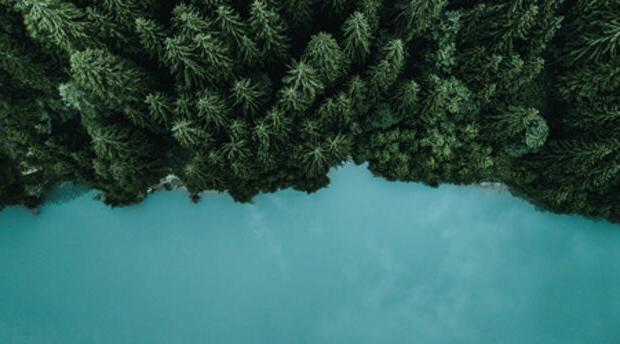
x=363 y=261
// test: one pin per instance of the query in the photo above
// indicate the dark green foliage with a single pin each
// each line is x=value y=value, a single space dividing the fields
x=152 y=36
x=325 y=55
x=253 y=96
x=357 y=37
x=522 y=130
x=381 y=75
x=115 y=82
x=269 y=31
x=302 y=85
x=212 y=109
x=599 y=31
x=57 y=23
x=248 y=96
x=578 y=171
x=414 y=16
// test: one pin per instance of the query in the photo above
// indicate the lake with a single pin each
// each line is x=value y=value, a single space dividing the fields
x=362 y=261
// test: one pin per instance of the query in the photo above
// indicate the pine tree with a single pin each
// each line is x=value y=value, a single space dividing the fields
x=152 y=36
x=314 y=158
x=601 y=24
x=160 y=109
x=357 y=90
x=116 y=82
x=248 y=95
x=406 y=98
x=22 y=66
x=213 y=108
x=108 y=26
x=382 y=75
x=58 y=22
x=587 y=166
x=371 y=9
x=338 y=148
x=325 y=55
x=125 y=11
x=216 y=55
x=188 y=21
x=301 y=87
x=187 y=133
x=269 y=31
x=232 y=25
x=414 y=16
x=183 y=59
x=127 y=157
x=358 y=37
x=336 y=112
x=523 y=130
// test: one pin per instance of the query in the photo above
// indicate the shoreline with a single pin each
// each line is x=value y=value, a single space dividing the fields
x=172 y=182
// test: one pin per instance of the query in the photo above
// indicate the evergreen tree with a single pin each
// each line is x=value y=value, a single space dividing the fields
x=115 y=82
x=301 y=87
x=358 y=37
x=152 y=36
x=187 y=133
x=523 y=130
x=325 y=55
x=413 y=16
x=58 y=22
x=160 y=109
x=248 y=96
x=269 y=31
x=213 y=109
x=383 y=74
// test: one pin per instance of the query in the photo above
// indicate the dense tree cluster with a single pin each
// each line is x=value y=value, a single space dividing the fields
x=250 y=96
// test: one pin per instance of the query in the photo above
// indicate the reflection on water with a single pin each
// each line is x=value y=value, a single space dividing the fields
x=363 y=261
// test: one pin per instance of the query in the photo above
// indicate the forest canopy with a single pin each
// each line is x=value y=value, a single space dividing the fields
x=251 y=96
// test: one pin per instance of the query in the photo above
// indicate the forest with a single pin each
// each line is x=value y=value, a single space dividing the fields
x=252 y=96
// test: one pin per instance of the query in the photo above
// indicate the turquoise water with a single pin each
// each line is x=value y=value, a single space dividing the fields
x=363 y=261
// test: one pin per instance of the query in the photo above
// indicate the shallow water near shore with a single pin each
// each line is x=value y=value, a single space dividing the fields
x=363 y=261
